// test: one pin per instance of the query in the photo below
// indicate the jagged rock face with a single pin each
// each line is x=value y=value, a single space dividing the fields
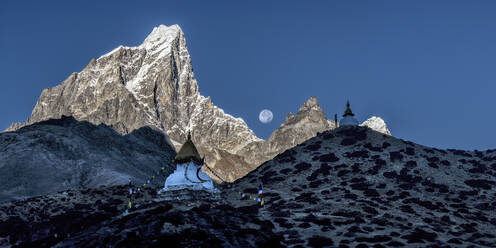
x=153 y=85
x=149 y=85
x=309 y=120
x=377 y=124
x=14 y=126
x=61 y=154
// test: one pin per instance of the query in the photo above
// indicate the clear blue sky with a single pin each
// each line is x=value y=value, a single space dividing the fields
x=428 y=68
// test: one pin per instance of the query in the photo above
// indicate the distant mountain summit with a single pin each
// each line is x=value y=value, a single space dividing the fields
x=153 y=84
x=377 y=124
x=308 y=121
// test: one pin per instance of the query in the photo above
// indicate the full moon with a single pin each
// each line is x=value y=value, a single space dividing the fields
x=265 y=116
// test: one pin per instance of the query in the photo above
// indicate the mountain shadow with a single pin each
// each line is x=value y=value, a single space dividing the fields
x=61 y=154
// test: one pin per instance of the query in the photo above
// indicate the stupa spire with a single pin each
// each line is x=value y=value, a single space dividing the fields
x=348 y=119
x=348 y=111
x=187 y=153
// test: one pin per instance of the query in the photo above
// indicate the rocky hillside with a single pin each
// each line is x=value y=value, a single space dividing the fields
x=355 y=187
x=60 y=154
x=99 y=218
x=153 y=84
x=348 y=187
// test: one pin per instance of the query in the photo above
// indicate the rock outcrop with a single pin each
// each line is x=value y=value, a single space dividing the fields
x=60 y=154
x=14 y=126
x=309 y=120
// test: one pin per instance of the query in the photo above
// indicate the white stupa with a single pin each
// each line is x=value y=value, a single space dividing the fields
x=188 y=173
x=348 y=119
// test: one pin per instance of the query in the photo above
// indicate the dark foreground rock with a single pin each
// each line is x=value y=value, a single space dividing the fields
x=377 y=192
x=101 y=218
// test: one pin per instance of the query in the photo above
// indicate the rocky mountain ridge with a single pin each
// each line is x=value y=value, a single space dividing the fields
x=153 y=84
x=61 y=154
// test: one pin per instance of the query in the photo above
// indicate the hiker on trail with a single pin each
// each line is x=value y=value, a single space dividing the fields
x=260 y=195
x=130 y=193
x=130 y=189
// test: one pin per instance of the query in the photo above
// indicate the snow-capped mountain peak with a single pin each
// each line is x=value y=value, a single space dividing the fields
x=162 y=35
x=310 y=104
x=147 y=85
x=377 y=124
